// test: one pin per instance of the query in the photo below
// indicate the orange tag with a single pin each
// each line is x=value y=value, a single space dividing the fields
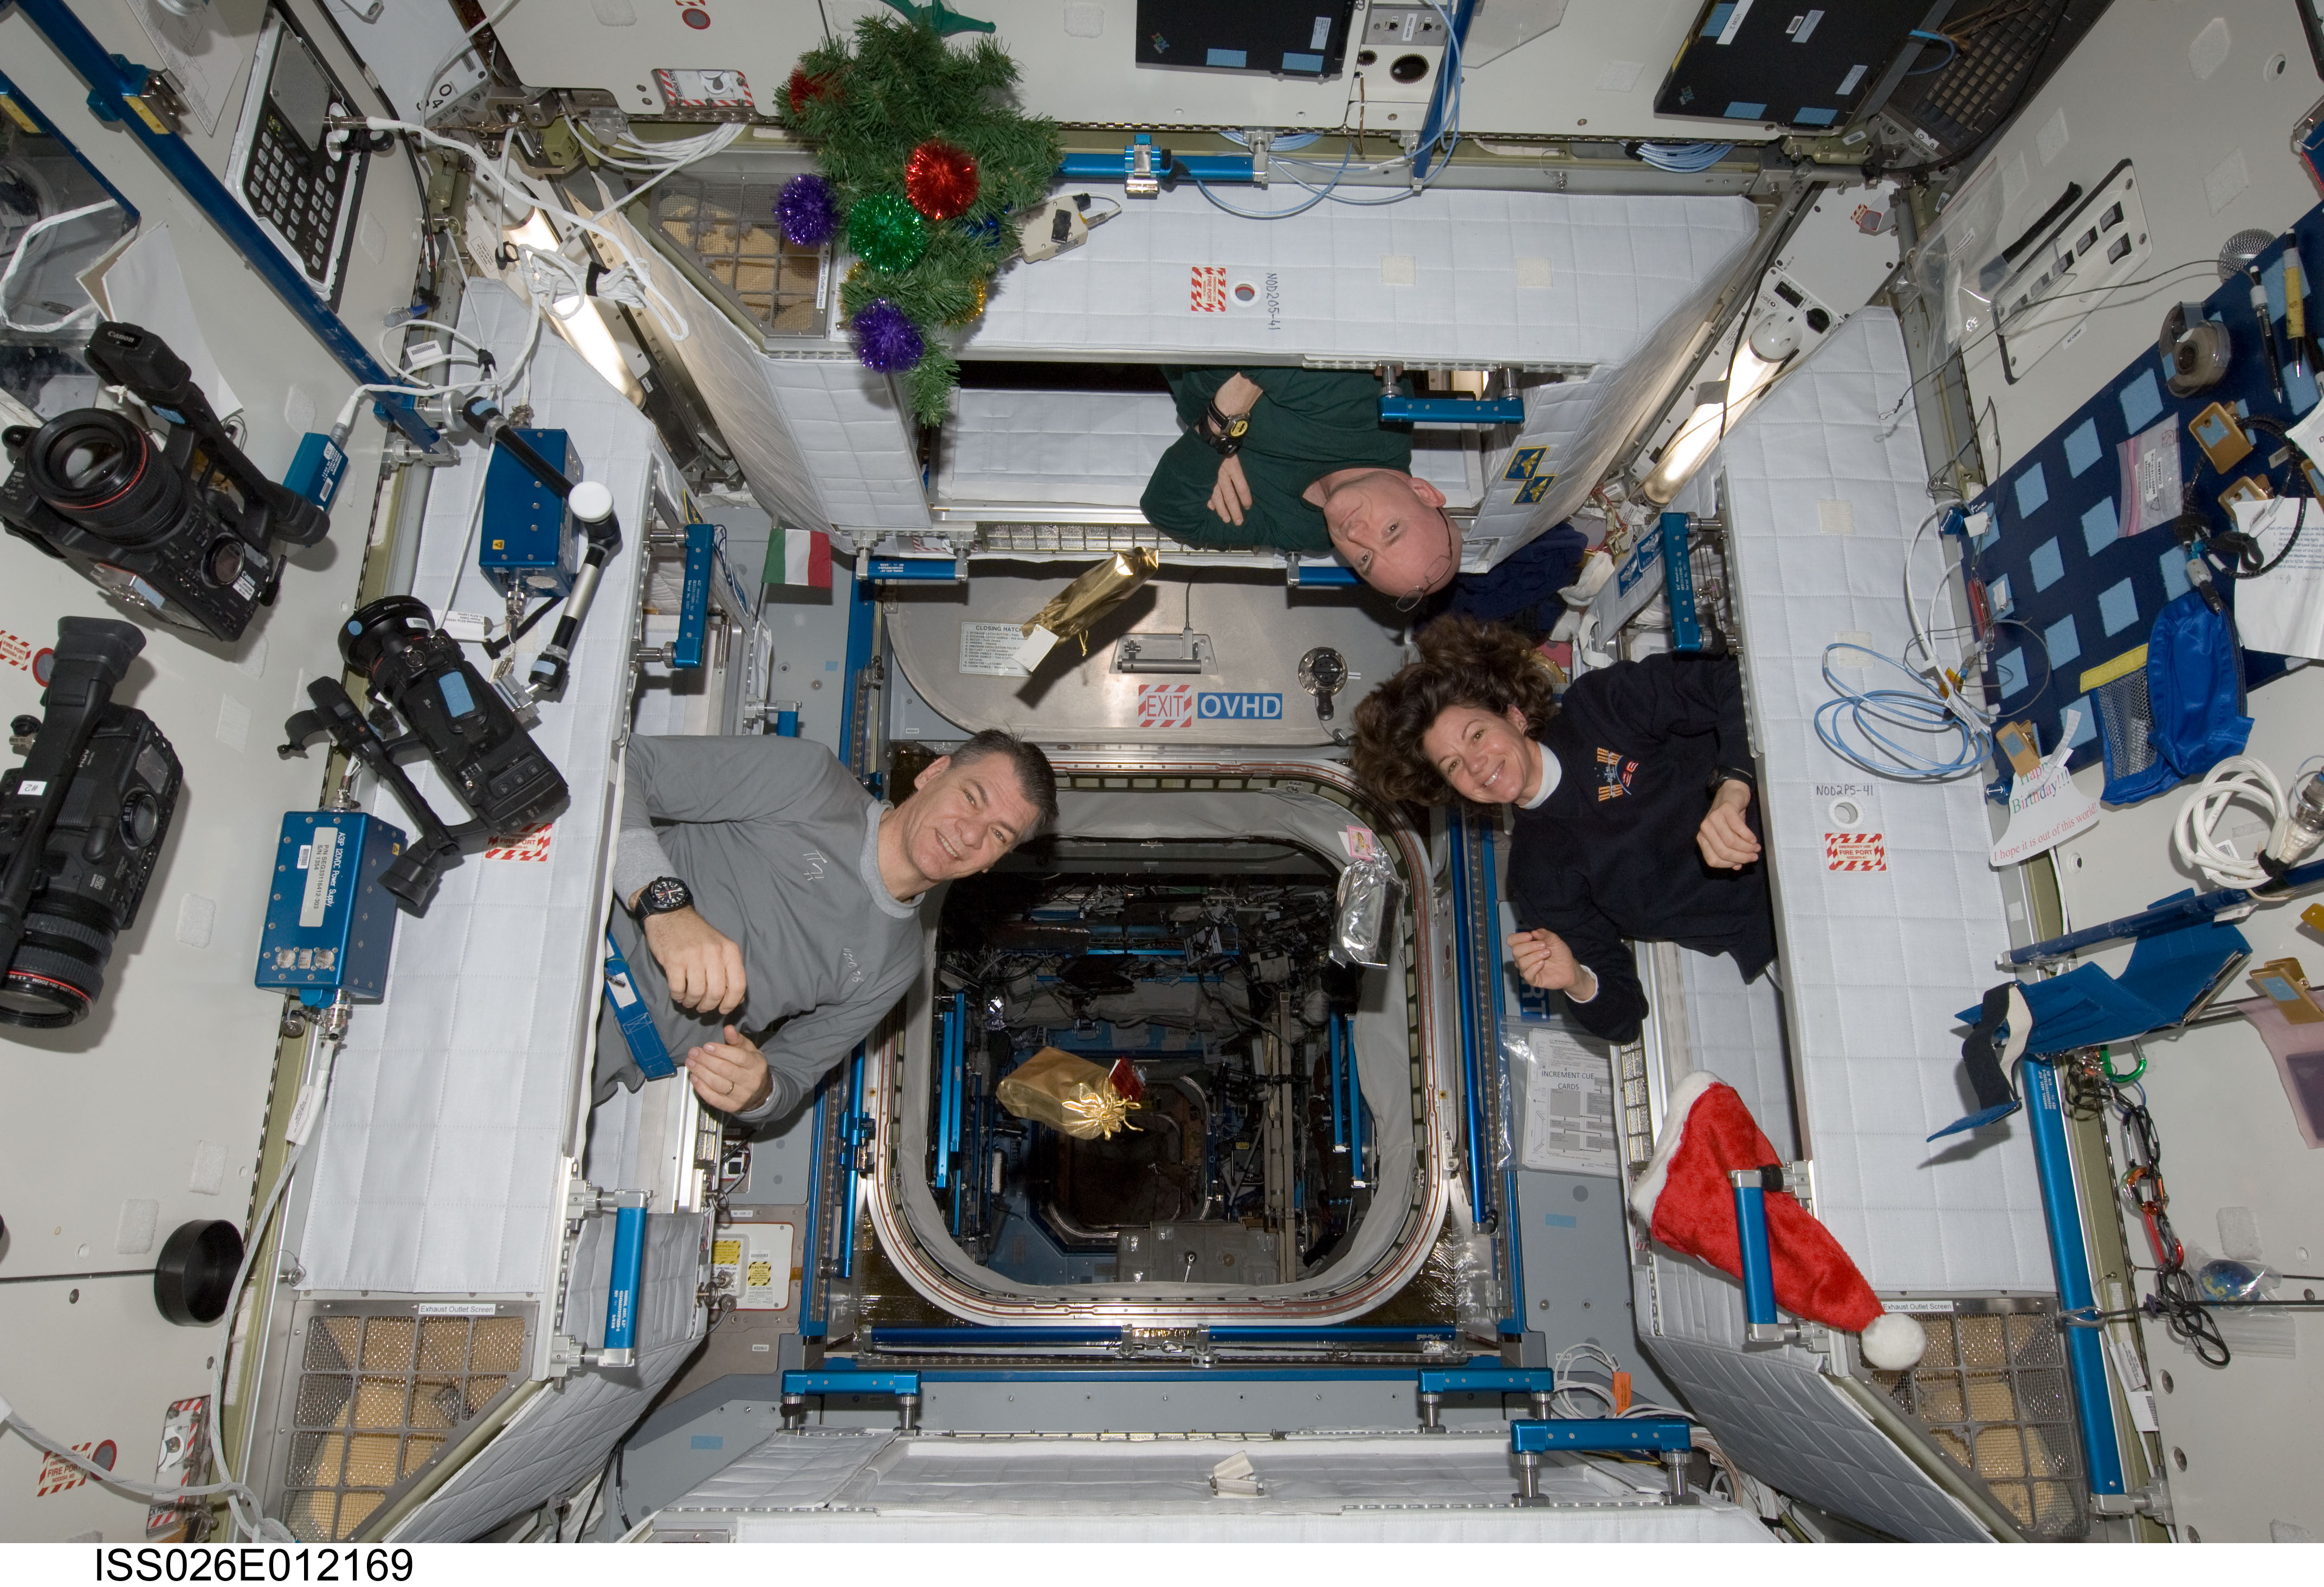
x=1621 y=1394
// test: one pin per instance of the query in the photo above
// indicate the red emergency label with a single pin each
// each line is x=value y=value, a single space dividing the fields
x=1855 y=851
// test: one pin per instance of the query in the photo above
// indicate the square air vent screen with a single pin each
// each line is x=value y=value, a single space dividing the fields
x=1992 y=1391
x=379 y=1393
x=726 y=226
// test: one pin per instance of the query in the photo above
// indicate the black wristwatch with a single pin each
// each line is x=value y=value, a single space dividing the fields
x=1730 y=773
x=661 y=896
x=1227 y=439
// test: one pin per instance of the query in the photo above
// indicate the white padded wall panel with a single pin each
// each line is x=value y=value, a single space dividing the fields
x=1483 y=278
x=1877 y=961
x=728 y=369
x=439 y=1168
x=855 y=439
x=1735 y=1028
x=1797 y=1432
x=1079 y=448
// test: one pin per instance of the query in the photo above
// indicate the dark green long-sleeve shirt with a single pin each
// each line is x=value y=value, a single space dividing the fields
x=1310 y=422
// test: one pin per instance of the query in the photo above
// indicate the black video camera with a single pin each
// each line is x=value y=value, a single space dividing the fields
x=454 y=717
x=81 y=822
x=181 y=530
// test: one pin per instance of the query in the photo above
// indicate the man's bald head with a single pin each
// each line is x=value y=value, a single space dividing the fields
x=1392 y=529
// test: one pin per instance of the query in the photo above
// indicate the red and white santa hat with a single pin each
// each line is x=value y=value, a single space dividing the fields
x=1688 y=1204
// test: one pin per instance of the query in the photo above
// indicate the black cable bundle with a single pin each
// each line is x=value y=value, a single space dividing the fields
x=2177 y=1300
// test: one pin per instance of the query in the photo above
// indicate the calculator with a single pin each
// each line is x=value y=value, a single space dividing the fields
x=302 y=192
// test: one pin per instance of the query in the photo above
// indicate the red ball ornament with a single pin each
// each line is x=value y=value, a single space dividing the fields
x=803 y=88
x=940 y=179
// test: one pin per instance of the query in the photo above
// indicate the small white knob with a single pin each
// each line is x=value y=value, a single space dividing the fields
x=591 y=502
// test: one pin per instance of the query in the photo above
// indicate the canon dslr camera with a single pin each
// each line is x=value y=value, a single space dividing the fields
x=180 y=529
x=81 y=822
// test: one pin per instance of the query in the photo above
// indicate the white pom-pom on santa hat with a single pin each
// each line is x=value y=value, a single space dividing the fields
x=1688 y=1204
x=1893 y=1342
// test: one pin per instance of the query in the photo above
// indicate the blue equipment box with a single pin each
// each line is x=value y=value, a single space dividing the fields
x=330 y=926
x=530 y=544
x=317 y=470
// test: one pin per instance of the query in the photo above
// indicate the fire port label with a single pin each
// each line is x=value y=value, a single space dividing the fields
x=1855 y=851
x=532 y=843
x=1207 y=290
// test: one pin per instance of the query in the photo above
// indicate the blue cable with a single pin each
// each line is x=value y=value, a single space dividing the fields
x=1952 y=54
x=1917 y=709
x=1451 y=129
x=1684 y=157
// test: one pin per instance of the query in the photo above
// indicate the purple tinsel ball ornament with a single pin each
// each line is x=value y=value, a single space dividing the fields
x=886 y=339
x=808 y=211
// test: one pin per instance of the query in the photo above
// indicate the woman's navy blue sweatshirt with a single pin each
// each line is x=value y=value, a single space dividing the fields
x=1611 y=853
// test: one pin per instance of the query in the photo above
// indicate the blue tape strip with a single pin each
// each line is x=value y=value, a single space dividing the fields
x=646 y=1049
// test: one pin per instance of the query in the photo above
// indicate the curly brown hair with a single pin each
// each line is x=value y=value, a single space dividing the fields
x=1462 y=662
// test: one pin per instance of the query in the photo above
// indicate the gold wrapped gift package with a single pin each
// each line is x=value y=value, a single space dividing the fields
x=1068 y=1094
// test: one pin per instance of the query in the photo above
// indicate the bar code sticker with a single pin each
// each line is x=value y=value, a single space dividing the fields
x=320 y=856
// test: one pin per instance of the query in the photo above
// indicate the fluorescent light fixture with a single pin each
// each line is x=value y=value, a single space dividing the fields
x=1748 y=377
x=579 y=319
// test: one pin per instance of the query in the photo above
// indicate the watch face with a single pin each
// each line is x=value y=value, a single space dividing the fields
x=1238 y=425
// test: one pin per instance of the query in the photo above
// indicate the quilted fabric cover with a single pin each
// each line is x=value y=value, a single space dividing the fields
x=1825 y=484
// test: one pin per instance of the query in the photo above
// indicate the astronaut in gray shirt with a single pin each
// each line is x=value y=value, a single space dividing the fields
x=764 y=889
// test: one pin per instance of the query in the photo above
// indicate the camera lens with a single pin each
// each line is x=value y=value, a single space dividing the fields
x=384 y=626
x=141 y=818
x=222 y=562
x=100 y=469
x=57 y=971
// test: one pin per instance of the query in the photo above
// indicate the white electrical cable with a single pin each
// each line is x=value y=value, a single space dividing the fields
x=16 y=261
x=518 y=193
x=2194 y=835
x=1564 y=1381
x=467 y=42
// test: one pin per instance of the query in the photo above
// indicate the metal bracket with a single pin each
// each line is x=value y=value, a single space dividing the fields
x=2153 y=1501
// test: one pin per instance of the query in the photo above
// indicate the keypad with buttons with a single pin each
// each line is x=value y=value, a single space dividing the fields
x=297 y=190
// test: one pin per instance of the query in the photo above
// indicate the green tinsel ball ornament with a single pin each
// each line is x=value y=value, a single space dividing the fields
x=887 y=232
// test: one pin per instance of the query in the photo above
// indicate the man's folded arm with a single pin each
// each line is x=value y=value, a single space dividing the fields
x=810 y=1045
x=708 y=778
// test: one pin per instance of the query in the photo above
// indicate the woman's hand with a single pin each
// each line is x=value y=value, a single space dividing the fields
x=731 y=1075
x=1231 y=495
x=1544 y=961
x=1725 y=836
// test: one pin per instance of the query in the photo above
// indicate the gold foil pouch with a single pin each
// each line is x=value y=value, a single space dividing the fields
x=1070 y=1095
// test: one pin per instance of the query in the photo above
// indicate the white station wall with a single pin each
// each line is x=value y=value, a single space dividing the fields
x=159 y=1097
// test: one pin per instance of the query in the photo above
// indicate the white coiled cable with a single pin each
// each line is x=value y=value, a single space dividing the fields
x=2194 y=836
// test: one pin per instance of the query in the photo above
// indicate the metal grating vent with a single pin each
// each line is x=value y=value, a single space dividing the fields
x=1636 y=1106
x=2002 y=47
x=726 y=226
x=377 y=1397
x=1992 y=1391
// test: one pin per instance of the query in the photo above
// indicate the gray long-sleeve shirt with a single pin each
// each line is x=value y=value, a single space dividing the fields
x=779 y=845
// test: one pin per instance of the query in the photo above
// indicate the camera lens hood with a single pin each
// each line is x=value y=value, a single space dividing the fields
x=389 y=622
x=101 y=471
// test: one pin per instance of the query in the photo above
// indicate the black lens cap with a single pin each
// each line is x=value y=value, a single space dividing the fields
x=196 y=1271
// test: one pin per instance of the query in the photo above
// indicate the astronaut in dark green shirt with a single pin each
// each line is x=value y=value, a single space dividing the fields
x=1296 y=459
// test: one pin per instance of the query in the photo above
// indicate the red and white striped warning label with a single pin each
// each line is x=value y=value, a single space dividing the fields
x=1854 y=851
x=532 y=843
x=1166 y=705
x=1207 y=292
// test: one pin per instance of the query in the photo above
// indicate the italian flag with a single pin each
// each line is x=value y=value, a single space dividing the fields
x=799 y=556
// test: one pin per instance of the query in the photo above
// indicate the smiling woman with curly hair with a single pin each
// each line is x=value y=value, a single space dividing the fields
x=1610 y=786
